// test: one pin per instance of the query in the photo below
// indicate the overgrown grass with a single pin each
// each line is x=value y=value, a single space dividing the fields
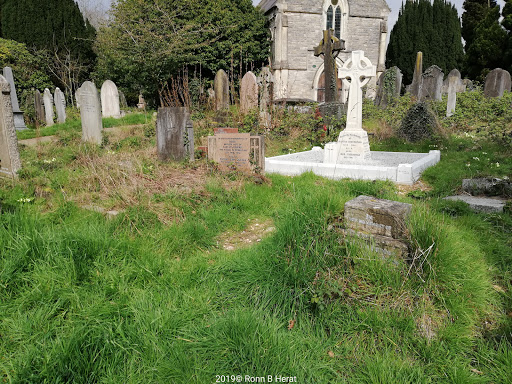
x=151 y=295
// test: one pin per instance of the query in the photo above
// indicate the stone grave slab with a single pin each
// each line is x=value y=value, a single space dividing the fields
x=48 y=107
x=38 y=106
x=90 y=113
x=390 y=84
x=481 y=204
x=432 y=84
x=10 y=162
x=174 y=134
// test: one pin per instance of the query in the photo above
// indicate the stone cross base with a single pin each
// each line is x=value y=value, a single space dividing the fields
x=352 y=146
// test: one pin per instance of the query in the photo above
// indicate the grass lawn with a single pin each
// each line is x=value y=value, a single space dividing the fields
x=204 y=275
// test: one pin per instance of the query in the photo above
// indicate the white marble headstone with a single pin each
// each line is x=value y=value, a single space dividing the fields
x=90 y=113
x=60 y=105
x=48 y=107
x=110 y=100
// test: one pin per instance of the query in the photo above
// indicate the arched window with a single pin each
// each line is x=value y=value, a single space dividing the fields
x=336 y=16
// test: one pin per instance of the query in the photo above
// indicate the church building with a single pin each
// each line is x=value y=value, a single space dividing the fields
x=296 y=28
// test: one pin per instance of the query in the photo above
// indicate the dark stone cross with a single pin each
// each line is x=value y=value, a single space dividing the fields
x=330 y=47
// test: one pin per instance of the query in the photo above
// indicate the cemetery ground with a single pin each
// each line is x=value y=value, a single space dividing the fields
x=117 y=267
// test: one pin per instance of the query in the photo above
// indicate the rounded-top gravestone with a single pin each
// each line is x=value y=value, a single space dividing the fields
x=496 y=83
x=60 y=105
x=90 y=113
x=248 y=92
x=110 y=100
x=221 y=88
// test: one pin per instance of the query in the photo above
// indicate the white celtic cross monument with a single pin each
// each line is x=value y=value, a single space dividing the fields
x=353 y=144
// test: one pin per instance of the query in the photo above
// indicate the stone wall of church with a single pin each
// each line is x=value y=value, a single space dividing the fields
x=364 y=35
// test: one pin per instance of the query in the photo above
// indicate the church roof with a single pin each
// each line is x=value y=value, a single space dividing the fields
x=378 y=5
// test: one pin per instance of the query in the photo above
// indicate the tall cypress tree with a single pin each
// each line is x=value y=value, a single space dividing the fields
x=433 y=29
x=487 y=41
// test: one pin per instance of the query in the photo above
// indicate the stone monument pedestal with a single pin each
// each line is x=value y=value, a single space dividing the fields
x=352 y=146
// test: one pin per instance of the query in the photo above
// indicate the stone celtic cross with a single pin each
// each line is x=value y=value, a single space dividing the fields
x=330 y=46
x=356 y=73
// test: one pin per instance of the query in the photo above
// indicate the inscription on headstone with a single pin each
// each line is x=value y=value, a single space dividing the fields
x=90 y=113
x=48 y=107
x=237 y=151
x=10 y=162
x=60 y=105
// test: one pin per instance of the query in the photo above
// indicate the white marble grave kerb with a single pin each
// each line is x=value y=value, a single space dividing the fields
x=350 y=157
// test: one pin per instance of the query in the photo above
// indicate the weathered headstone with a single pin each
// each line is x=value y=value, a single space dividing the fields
x=48 y=107
x=266 y=88
x=454 y=84
x=380 y=223
x=90 y=113
x=390 y=83
x=417 y=79
x=60 y=105
x=77 y=98
x=110 y=100
x=248 y=92
x=142 y=103
x=19 y=121
x=38 y=106
x=330 y=47
x=122 y=100
x=221 y=88
x=432 y=84
x=10 y=162
x=237 y=151
x=353 y=144
x=496 y=83
x=174 y=134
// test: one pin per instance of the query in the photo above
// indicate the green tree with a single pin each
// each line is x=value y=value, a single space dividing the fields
x=507 y=24
x=487 y=49
x=149 y=41
x=55 y=29
x=475 y=12
x=432 y=28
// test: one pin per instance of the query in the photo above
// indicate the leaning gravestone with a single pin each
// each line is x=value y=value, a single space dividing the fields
x=60 y=105
x=122 y=100
x=432 y=84
x=174 y=134
x=390 y=83
x=496 y=83
x=110 y=100
x=454 y=84
x=38 y=106
x=248 y=92
x=48 y=107
x=90 y=113
x=10 y=162
x=353 y=143
x=19 y=121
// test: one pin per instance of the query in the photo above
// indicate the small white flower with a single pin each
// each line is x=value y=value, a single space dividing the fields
x=497 y=165
x=476 y=158
x=484 y=153
x=468 y=164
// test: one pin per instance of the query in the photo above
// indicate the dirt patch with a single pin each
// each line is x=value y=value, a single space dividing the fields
x=255 y=231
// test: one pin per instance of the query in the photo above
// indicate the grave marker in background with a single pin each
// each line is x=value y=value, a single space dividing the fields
x=38 y=106
x=390 y=84
x=248 y=92
x=454 y=85
x=90 y=113
x=221 y=88
x=19 y=121
x=174 y=134
x=48 y=107
x=496 y=83
x=110 y=100
x=417 y=79
x=60 y=105
x=10 y=162
x=432 y=84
